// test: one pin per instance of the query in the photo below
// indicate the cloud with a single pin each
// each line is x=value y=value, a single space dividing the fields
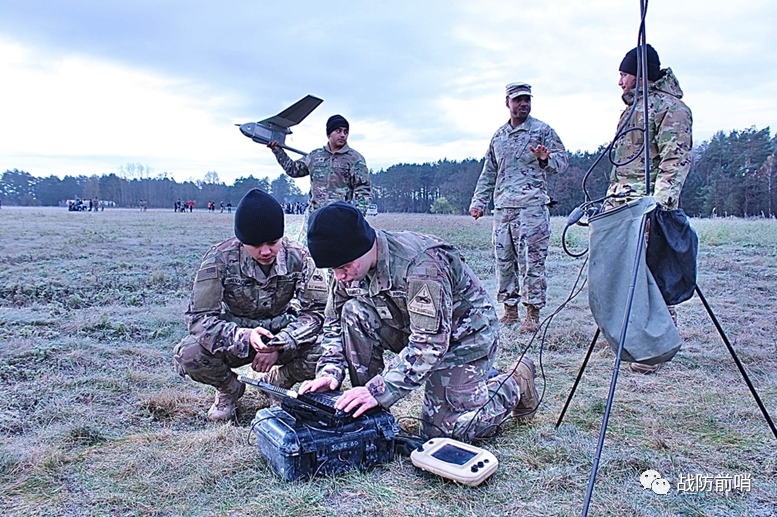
x=98 y=84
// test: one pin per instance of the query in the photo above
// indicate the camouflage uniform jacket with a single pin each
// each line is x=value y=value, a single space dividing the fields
x=231 y=295
x=670 y=144
x=422 y=287
x=512 y=174
x=338 y=176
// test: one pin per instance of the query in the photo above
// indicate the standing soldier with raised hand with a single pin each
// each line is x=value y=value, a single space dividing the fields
x=337 y=172
x=521 y=153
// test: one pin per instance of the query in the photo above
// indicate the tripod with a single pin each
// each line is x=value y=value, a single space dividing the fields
x=616 y=369
x=638 y=265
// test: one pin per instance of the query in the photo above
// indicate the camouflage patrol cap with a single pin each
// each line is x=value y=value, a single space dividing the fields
x=517 y=89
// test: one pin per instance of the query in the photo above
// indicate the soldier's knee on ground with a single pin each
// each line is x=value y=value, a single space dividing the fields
x=184 y=355
x=189 y=358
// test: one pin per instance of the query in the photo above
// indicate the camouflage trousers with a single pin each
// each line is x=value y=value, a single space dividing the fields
x=521 y=237
x=192 y=359
x=459 y=399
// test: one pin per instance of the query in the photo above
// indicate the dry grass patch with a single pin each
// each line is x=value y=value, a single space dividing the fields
x=94 y=421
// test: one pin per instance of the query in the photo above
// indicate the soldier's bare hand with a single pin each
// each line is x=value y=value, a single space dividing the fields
x=320 y=384
x=257 y=341
x=263 y=362
x=359 y=399
x=476 y=213
x=541 y=152
x=273 y=145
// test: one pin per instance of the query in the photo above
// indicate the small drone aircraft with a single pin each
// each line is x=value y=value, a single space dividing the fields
x=276 y=128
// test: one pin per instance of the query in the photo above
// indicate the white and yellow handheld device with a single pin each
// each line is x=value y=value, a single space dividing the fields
x=461 y=462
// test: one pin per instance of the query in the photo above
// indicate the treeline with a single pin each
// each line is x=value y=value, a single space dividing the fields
x=23 y=189
x=447 y=187
x=732 y=174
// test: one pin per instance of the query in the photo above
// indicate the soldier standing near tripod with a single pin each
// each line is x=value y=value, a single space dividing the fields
x=670 y=141
x=521 y=153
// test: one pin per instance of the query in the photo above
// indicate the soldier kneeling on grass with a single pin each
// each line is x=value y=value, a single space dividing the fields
x=257 y=299
x=414 y=295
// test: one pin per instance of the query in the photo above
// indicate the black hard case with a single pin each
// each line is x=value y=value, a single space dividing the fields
x=300 y=449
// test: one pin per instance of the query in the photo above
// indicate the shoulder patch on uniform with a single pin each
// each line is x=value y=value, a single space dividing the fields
x=207 y=273
x=423 y=303
x=318 y=281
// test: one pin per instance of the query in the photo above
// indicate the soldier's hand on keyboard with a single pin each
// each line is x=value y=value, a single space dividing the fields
x=320 y=384
x=359 y=399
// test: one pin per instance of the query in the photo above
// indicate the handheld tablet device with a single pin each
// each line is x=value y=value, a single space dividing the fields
x=461 y=462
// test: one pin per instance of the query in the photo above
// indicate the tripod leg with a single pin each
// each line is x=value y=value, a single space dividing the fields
x=616 y=368
x=738 y=362
x=579 y=376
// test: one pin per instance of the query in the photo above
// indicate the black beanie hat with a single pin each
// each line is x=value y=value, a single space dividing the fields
x=629 y=63
x=258 y=218
x=338 y=234
x=336 y=122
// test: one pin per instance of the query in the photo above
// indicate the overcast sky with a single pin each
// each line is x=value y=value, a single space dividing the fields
x=87 y=86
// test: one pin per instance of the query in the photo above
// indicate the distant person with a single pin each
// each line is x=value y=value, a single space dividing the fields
x=222 y=207
x=670 y=143
x=337 y=172
x=257 y=299
x=521 y=154
x=229 y=207
x=411 y=294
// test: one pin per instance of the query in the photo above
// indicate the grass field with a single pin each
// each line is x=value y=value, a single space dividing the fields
x=94 y=422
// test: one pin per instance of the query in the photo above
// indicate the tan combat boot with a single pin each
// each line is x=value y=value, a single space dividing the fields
x=532 y=320
x=224 y=406
x=510 y=315
x=524 y=373
x=644 y=368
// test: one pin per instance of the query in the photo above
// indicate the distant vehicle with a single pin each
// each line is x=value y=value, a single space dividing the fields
x=77 y=205
x=276 y=128
x=372 y=210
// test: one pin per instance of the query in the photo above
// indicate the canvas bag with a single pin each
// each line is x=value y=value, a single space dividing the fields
x=651 y=337
x=671 y=254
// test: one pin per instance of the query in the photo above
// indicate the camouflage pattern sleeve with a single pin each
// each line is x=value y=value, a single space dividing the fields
x=202 y=315
x=362 y=186
x=332 y=362
x=484 y=190
x=311 y=295
x=430 y=308
x=295 y=169
x=558 y=161
x=674 y=141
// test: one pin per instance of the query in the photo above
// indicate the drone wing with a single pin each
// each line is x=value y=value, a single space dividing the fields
x=295 y=113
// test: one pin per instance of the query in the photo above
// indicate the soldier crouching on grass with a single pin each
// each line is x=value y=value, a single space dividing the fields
x=257 y=299
x=414 y=295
